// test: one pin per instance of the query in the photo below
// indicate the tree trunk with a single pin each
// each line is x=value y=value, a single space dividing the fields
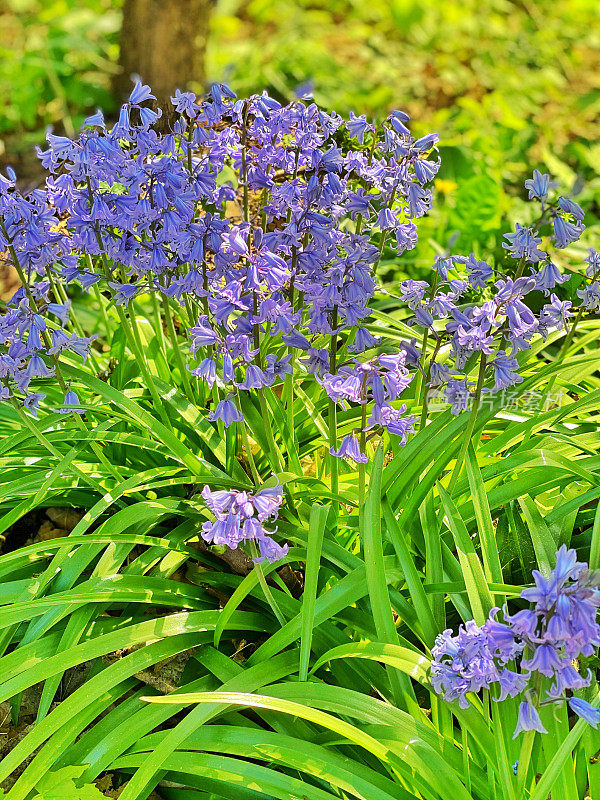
x=164 y=42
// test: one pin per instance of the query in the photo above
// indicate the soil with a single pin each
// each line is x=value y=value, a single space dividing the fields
x=9 y=283
x=40 y=525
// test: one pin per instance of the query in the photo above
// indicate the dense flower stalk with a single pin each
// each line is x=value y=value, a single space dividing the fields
x=536 y=646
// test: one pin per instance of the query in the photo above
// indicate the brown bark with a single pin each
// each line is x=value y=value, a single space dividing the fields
x=164 y=42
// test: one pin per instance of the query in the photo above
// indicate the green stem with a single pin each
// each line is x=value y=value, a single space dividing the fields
x=566 y=344
x=178 y=357
x=61 y=297
x=524 y=759
x=265 y=586
x=158 y=326
x=100 y=301
x=332 y=417
x=244 y=163
x=246 y=441
x=130 y=330
x=471 y=425
x=189 y=147
x=267 y=419
x=363 y=447
x=561 y=357
x=425 y=394
x=288 y=388
x=465 y=757
x=520 y=269
x=131 y=327
x=419 y=379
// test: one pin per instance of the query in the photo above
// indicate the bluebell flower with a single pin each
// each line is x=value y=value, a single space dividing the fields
x=32 y=401
x=60 y=310
x=406 y=237
x=590 y=296
x=349 y=449
x=528 y=720
x=545 y=660
x=96 y=119
x=394 y=420
x=124 y=292
x=148 y=117
x=556 y=313
x=505 y=373
x=207 y=370
x=457 y=394
x=538 y=186
x=593 y=261
x=585 y=710
x=304 y=91
x=240 y=516
x=565 y=232
x=357 y=126
x=270 y=550
x=140 y=93
x=185 y=103
x=227 y=412
x=71 y=399
x=479 y=271
x=202 y=335
x=254 y=378
x=548 y=277
x=511 y=684
x=571 y=207
x=363 y=340
x=523 y=243
x=386 y=218
x=37 y=368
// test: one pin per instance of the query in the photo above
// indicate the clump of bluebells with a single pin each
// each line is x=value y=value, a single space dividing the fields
x=532 y=653
x=477 y=312
x=241 y=516
x=263 y=224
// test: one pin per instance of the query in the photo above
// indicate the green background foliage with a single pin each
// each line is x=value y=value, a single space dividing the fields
x=509 y=86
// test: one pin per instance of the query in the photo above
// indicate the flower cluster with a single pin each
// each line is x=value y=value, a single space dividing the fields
x=34 y=326
x=264 y=218
x=473 y=310
x=535 y=647
x=241 y=517
x=265 y=223
x=590 y=294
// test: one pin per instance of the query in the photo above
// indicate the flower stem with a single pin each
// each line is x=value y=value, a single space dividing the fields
x=363 y=446
x=268 y=419
x=524 y=759
x=246 y=441
x=265 y=586
x=178 y=357
x=332 y=417
x=563 y=350
x=130 y=329
x=471 y=425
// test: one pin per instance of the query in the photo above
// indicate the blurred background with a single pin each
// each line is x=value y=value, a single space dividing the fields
x=510 y=85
